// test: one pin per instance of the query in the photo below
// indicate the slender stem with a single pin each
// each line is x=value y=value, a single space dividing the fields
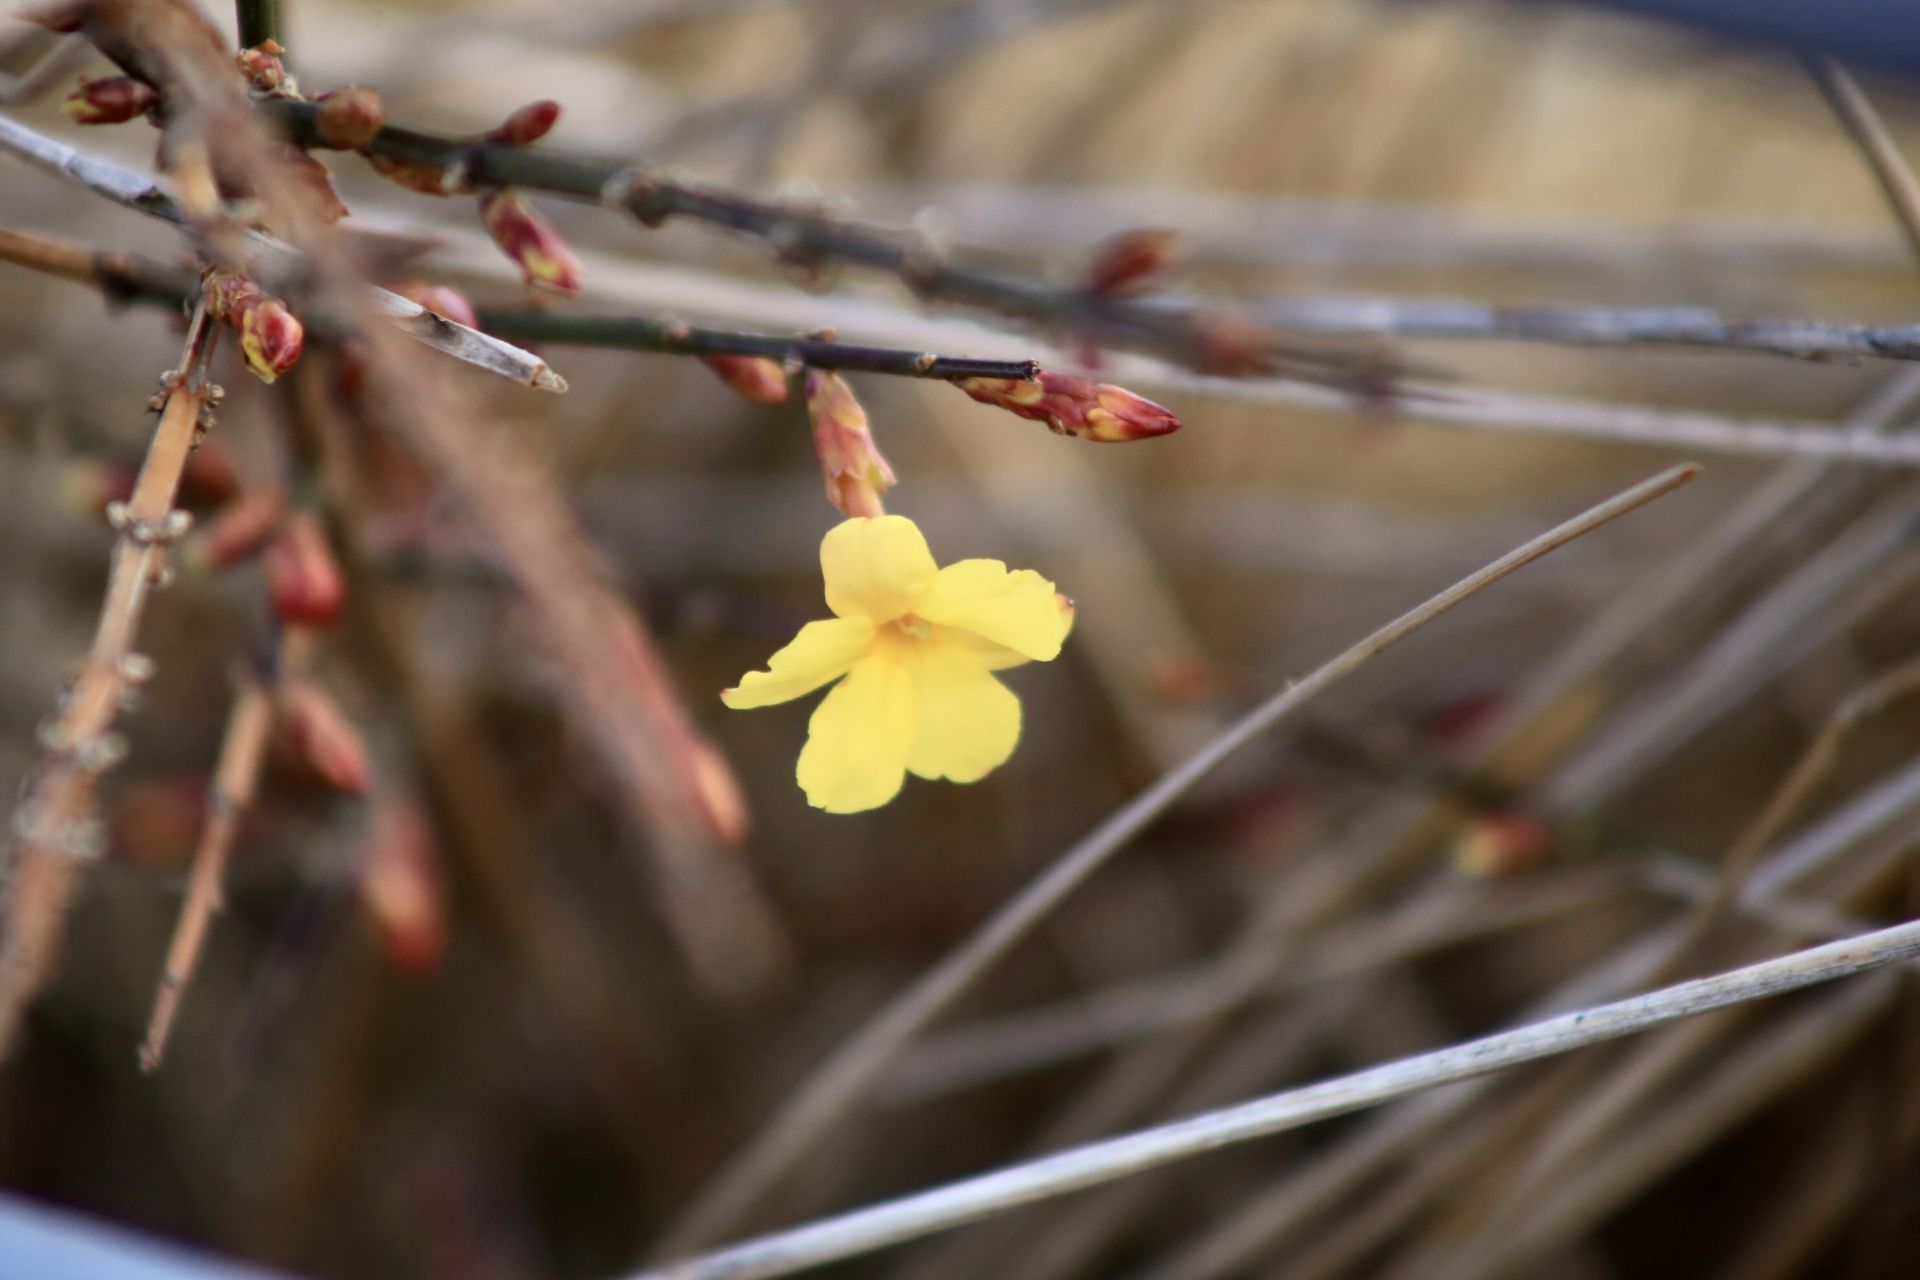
x=812 y=238
x=652 y=333
x=277 y=258
x=54 y=835
x=1869 y=132
x=840 y=1083
x=865 y=1230
x=259 y=22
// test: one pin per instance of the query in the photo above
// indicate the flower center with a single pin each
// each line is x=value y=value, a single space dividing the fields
x=911 y=627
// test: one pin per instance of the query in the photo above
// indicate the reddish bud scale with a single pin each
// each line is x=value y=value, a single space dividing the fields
x=304 y=582
x=110 y=100
x=1129 y=260
x=759 y=379
x=314 y=736
x=535 y=245
x=855 y=473
x=270 y=336
x=1075 y=406
x=527 y=125
x=349 y=118
x=240 y=531
x=427 y=179
x=443 y=300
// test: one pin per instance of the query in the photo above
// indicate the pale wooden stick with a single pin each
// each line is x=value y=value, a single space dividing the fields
x=845 y=1078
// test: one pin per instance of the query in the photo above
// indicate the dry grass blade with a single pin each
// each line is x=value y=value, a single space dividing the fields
x=868 y=1229
x=838 y=1085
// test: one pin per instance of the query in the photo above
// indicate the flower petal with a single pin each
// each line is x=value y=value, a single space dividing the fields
x=1018 y=609
x=821 y=653
x=966 y=723
x=994 y=657
x=857 y=741
x=875 y=567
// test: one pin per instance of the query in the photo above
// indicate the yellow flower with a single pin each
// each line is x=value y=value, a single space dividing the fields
x=918 y=646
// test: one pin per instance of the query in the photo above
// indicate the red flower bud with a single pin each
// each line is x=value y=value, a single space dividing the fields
x=1129 y=260
x=855 y=473
x=1501 y=844
x=209 y=477
x=238 y=532
x=401 y=890
x=313 y=735
x=349 y=118
x=525 y=235
x=528 y=124
x=757 y=378
x=304 y=581
x=443 y=300
x=1075 y=406
x=270 y=336
x=110 y=100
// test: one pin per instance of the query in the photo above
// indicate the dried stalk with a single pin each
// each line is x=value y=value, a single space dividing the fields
x=839 y=1084
x=1869 y=132
x=55 y=832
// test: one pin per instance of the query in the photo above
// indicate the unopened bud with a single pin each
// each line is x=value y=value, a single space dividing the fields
x=443 y=300
x=427 y=179
x=264 y=70
x=757 y=378
x=110 y=100
x=401 y=889
x=349 y=118
x=270 y=335
x=855 y=473
x=238 y=531
x=304 y=581
x=1075 y=406
x=1501 y=844
x=313 y=735
x=528 y=124
x=525 y=235
x=209 y=477
x=1130 y=260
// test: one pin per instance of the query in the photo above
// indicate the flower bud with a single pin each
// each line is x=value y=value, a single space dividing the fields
x=313 y=735
x=209 y=477
x=444 y=301
x=757 y=378
x=304 y=581
x=401 y=890
x=110 y=100
x=1075 y=406
x=349 y=118
x=1500 y=844
x=270 y=335
x=238 y=531
x=264 y=70
x=525 y=235
x=527 y=125
x=855 y=473
x=1130 y=260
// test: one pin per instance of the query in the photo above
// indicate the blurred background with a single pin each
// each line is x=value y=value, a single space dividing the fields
x=504 y=1065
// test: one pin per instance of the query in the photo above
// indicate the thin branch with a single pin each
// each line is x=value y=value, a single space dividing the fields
x=259 y=22
x=810 y=237
x=653 y=333
x=129 y=189
x=839 y=1084
x=1869 y=132
x=865 y=1230
x=127 y=277
x=1702 y=328
x=54 y=834
x=242 y=749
